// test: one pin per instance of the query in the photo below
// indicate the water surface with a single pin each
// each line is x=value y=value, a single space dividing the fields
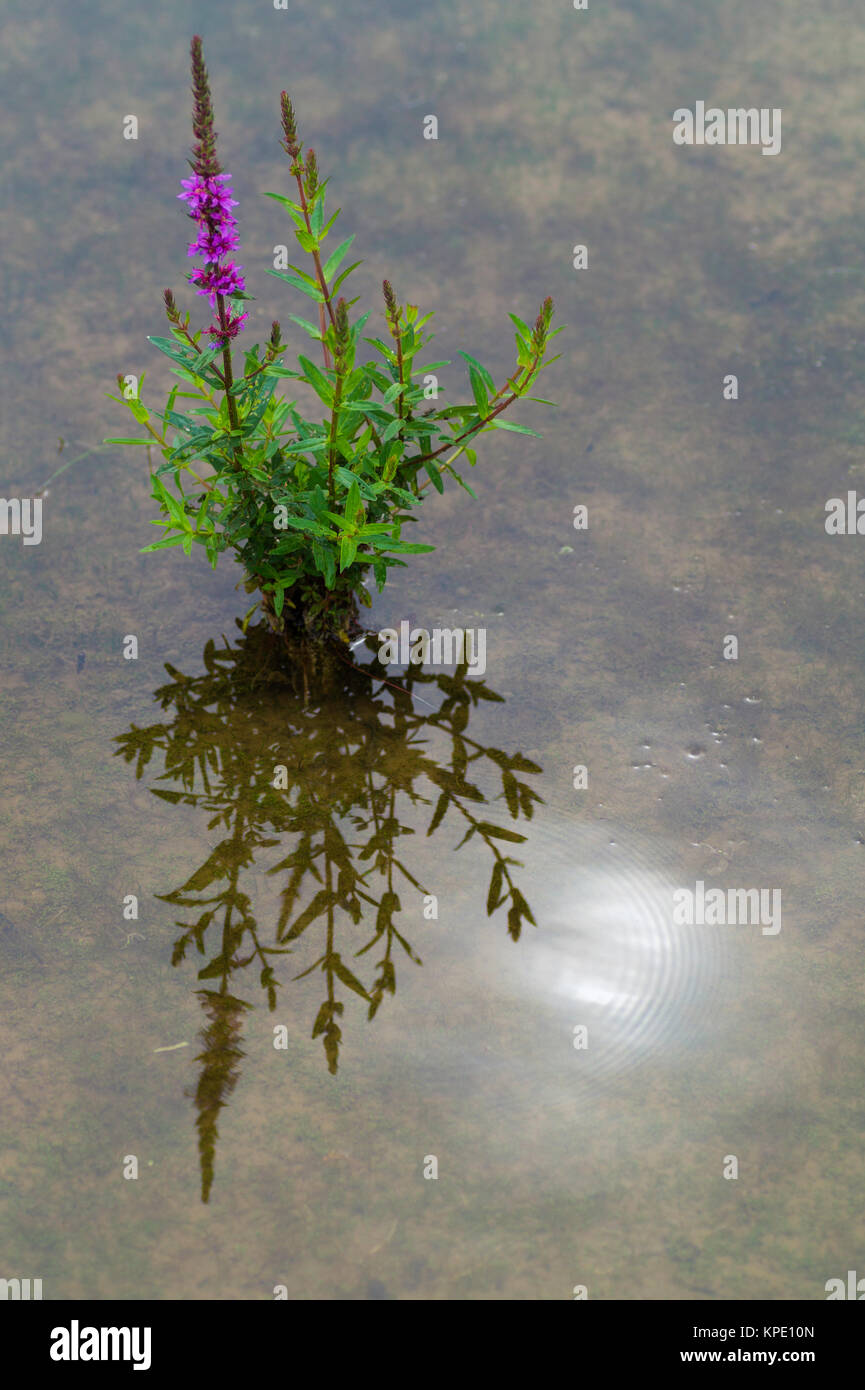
x=557 y=1166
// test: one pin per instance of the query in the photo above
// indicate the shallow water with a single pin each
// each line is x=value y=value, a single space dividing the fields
x=557 y=1165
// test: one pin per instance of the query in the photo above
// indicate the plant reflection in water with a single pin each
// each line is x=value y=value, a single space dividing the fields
x=321 y=762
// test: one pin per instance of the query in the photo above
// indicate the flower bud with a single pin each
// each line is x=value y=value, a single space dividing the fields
x=289 y=128
x=391 y=307
x=310 y=172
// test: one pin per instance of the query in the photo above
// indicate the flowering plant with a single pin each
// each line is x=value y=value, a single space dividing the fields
x=309 y=507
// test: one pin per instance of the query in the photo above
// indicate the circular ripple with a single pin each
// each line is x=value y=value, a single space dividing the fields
x=606 y=952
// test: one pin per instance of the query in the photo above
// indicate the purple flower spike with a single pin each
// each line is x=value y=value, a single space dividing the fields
x=210 y=203
x=214 y=279
x=214 y=245
x=206 y=195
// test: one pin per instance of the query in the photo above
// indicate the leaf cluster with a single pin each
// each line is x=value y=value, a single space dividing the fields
x=311 y=503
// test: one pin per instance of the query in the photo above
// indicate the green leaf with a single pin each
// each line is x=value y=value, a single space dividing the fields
x=383 y=349
x=352 y=502
x=276 y=369
x=310 y=290
x=393 y=428
x=522 y=906
x=343 y=973
x=185 y=356
x=127 y=441
x=510 y=787
x=518 y=429
x=334 y=260
x=313 y=329
x=430 y=367
x=519 y=763
x=347 y=551
x=523 y=327
x=307 y=241
x=434 y=475
x=317 y=380
x=439 y=815
x=180 y=422
x=356 y=327
x=479 y=392
x=481 y=371
x=498 y=832
x=494 y=894
x=326 y=228
x=338 y=281
x=193 y=444
x=408 y=547
x=463 y=484
x=324 y=558
x=286 y=202
x=161 y=545
x=205 y=358
x=307 y=525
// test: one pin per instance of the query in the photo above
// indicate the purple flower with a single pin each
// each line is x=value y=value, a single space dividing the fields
x=214 y=279
x=207 y=196
x=210 y=202
x=213 y=245
x=231 y=329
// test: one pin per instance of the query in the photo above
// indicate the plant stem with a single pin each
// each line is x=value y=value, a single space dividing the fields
x=503 y=405
x=226 y=358
x=468 y=434
x=186 y=333
x=400 y=404
x=164 y=442
x=337 y=397
x=319 y=273
x=229 y=382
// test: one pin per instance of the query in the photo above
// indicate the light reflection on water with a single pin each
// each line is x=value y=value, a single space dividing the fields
x=607 y=953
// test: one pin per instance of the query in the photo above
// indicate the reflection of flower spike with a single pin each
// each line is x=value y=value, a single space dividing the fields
x=221 y=1056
